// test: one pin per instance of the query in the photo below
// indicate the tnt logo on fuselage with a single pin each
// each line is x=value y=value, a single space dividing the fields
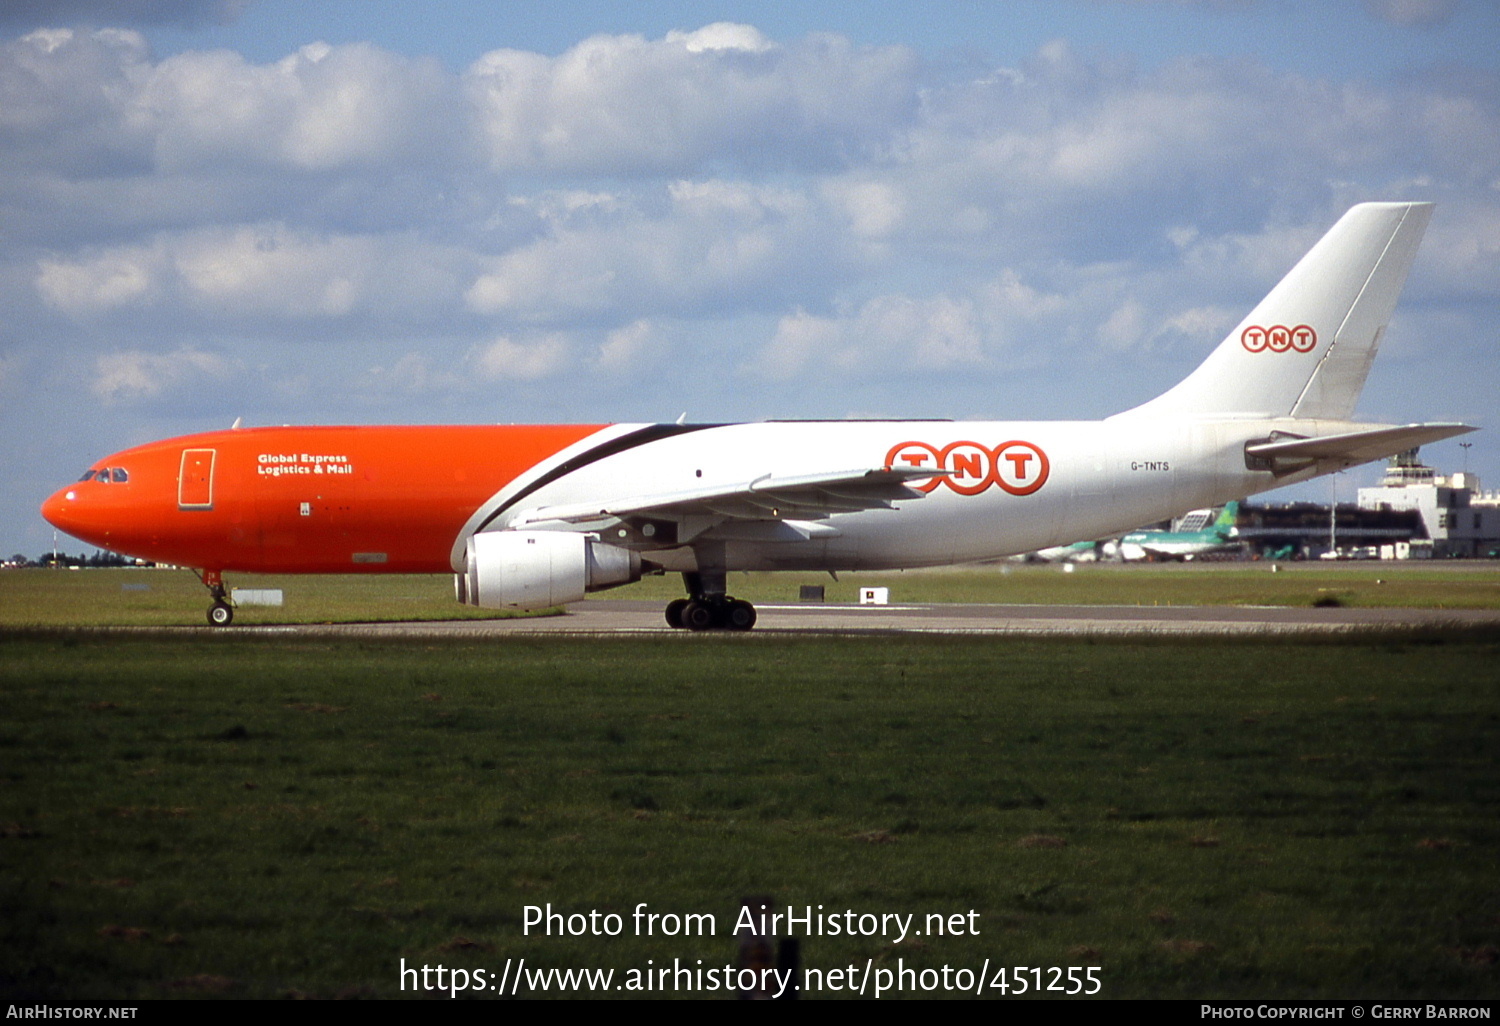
x=1017 y=467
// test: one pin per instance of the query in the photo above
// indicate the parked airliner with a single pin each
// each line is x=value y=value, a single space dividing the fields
x=533 y=517
x=1198 y=534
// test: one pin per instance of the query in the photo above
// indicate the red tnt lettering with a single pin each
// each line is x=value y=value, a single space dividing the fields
x=915 y=454
x=968 y=464
x=1021 y=467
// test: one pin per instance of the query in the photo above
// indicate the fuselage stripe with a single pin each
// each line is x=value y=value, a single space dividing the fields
x=645 y=436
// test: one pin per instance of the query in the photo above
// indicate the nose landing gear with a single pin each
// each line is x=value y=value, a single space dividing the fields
x=221 y=613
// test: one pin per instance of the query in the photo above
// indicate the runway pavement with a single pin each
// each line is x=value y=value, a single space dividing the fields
x=628 y=617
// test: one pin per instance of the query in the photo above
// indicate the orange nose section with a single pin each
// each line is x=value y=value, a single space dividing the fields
x=73 y=511
x=59 y=510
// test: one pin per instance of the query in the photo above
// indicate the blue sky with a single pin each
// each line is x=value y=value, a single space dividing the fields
x=368 y=212
x=1324 y=38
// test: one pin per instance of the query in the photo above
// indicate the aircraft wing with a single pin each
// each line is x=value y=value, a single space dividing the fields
x=768 y=497
x=1352 y=447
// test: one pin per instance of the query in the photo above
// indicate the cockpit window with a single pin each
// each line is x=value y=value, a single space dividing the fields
x=105 y=475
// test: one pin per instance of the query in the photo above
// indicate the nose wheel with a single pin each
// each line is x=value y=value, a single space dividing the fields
x=221 y=613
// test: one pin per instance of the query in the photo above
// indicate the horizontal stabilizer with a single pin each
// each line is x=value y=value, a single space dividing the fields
x=1286 y=454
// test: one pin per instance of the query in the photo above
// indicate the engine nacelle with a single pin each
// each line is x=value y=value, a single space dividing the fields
x=537 y=569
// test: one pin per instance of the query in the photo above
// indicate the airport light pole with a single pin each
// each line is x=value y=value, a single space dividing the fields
x=1333 y=515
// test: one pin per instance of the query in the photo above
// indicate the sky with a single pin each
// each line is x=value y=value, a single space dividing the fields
x=360 y=211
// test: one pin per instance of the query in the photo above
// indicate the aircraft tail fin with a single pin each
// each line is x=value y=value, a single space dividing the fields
x=1305 y=349
x=1229 y=514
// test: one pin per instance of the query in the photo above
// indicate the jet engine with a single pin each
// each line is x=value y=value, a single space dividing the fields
x=537 y=569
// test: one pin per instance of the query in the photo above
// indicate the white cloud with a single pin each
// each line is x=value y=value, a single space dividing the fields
x=66 y=98
x=320 y=108
x=722 y=93
x=420 y=374
x=123 y=277
x=716 y=244
x=887 y=336
x=722 y=35
x=136 y=375
x=874 y=209
x=271 y=271
x=627 y=348
x=505 y=359
x=257 y=271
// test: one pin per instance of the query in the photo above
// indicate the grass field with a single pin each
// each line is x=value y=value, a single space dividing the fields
x=221 y=815
x=1470 y=585
x=167 y=598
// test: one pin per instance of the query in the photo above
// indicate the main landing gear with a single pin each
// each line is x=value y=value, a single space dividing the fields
x=707 y=607
x=221 y=613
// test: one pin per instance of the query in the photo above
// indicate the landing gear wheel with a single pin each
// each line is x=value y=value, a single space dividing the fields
x=699 y=616
x=739 y=615
x=221 y=614
x=674 y=613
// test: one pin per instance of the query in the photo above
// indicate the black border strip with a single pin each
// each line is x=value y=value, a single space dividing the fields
x=645 y=436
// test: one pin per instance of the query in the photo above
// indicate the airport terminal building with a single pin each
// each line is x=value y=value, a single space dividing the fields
x=1414 y=513
x=1461 y=520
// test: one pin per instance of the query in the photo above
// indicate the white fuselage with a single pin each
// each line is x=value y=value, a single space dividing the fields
x=1101 y=477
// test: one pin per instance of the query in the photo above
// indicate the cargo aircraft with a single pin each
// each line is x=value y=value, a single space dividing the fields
x=535 y=517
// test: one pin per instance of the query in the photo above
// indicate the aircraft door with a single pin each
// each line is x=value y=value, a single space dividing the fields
x=1092 y=492
x=195 y=480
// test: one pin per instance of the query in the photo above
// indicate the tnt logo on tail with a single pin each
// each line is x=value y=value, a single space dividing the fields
x=1017 y=467
x=1279 y=339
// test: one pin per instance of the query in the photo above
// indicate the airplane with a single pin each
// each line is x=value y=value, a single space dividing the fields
x=1190 y=539
x=531 y=517
x=1076 y=552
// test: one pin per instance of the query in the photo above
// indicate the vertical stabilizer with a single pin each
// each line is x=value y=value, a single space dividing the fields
x=1305 y=350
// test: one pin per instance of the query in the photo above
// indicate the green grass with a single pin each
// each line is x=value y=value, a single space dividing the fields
x=167 y=598
x=162 y=598
x=225 y=815
x=1414 y=586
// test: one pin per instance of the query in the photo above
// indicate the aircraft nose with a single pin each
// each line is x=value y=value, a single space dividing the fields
x=60 y=509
